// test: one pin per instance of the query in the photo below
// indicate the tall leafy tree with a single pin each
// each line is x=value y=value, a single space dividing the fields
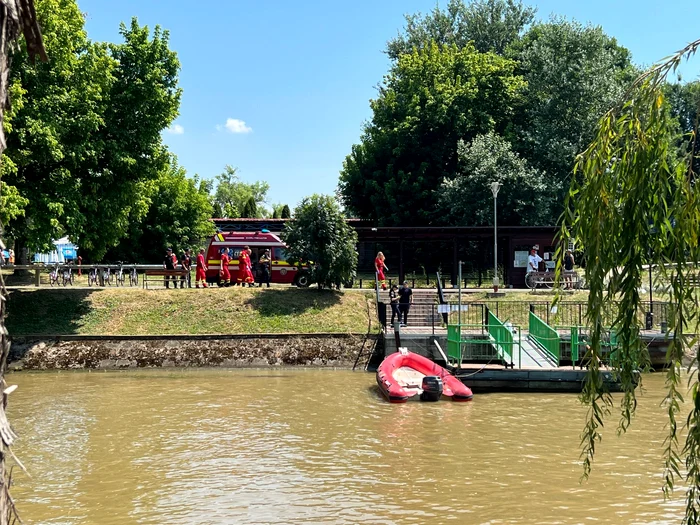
x=285 y=213
x=179 y=212
x=684 y=100
x=320 y=235
x=574 y=74
x=231 y=194
x=250 y=208
x=466 y=200
x=431 y=99
x=87 y=130
x=491 y=25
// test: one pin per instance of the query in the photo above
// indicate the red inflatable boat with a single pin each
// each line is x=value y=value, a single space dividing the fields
x=405 y=374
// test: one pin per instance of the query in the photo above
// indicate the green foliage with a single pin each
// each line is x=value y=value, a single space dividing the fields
x=86 y=130
x=178 y=216
x=574 y=74
x=285 y=213
x=430 y=100
x=491 y=25
x=636 y=203
x=12 y=204
x=250 y=209
x=684 y=100
x=320 y=235
x=467 y=200
x=232 y=194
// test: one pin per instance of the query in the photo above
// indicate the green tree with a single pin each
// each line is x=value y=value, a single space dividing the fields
x=684 y=99
x=232 y=194
x=466 y=200
x=279 y=211
x=250 y=208
x=491 y=25
x=574 y=74
x=86 y=132
x=430 y=100
x=178 y=216
x=320 y=235
x=636 y=203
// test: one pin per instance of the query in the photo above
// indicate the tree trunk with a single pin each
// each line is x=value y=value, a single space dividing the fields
x=16 y=16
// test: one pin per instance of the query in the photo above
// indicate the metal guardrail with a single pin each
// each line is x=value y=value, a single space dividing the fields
x=546 y=337
x=502 y=337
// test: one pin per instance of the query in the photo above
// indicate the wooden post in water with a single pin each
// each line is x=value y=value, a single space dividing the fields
x=16 y=17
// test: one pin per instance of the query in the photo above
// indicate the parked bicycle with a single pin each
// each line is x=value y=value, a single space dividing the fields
x=133 y=277
x=54 y=275
x=92 y=277
x=67 y=275
x=119 y=274
x=107 y=276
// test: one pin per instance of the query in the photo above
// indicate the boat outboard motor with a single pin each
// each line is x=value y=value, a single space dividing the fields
x=432 y=388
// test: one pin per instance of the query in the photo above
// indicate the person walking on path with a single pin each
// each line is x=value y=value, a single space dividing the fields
x=569 y=269
x=201 y=271
x=224 y=274
x=394 y=302
x=186 y=263
x=264 y=265
x=405 y=301
x=379 y=267
x=169 y=263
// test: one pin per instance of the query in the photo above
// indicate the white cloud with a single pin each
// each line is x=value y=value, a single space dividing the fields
x=234 y=125
x=176 y=129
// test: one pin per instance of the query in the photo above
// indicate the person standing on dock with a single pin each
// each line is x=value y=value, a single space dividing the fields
x=405 y=301
x=201 y=271
x=394 y=301
x=379 y=267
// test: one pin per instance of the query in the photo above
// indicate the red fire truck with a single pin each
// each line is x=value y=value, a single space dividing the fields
x=280 y=270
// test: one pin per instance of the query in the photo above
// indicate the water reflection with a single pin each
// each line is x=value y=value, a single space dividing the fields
x=318 y=446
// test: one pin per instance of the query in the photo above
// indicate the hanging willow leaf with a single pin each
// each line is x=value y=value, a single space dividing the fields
x=633 y=203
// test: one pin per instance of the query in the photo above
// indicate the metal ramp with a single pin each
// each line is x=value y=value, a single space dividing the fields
x=532 y=356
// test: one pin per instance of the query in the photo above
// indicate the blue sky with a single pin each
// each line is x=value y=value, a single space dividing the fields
x=280 y=89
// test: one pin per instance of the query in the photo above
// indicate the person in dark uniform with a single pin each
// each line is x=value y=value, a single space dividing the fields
x=186 y=263
x=264 y=268
x=394 y=301
x=405 y=300
x=169 y=263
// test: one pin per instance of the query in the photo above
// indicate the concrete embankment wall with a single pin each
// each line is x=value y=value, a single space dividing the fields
x=236 y=351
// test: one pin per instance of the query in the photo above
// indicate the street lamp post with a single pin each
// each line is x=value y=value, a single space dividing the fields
x=495 y=186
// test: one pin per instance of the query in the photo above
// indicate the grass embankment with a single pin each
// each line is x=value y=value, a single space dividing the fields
x=189 y=311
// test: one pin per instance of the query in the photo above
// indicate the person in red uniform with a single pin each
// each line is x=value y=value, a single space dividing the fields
x=224 y=274
x=379 y=266
x=245 y=275
x=201 y=272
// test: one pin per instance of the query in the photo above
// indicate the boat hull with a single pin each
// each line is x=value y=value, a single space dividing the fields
x=399 y=378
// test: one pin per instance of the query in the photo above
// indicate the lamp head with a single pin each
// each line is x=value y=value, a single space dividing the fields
x=495 y=186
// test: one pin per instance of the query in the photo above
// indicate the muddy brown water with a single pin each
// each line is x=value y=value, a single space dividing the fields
x=319 y=446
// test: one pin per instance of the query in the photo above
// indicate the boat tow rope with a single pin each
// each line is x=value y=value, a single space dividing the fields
x=446 y=361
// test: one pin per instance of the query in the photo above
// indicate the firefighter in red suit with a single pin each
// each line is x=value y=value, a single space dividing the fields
x=224 y=274
x=201 y=273
x=245 y=275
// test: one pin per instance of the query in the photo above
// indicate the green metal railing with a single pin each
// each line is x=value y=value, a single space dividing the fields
x=502 y=337
x=546 y=337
